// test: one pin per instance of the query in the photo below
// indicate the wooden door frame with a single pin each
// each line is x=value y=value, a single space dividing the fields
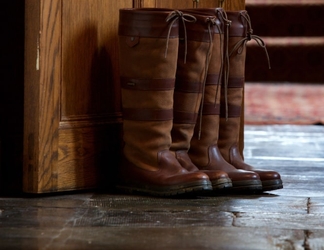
x=43 y=124
x=42 y=93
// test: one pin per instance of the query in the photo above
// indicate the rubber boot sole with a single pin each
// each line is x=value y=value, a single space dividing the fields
x=174 y=190
x=247 y=186
x=272 y=185
x=222 y=183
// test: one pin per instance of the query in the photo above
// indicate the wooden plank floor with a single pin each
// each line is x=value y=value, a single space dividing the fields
x=290 y=218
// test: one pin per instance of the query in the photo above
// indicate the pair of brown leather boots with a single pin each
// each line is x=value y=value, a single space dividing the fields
x=182 y=79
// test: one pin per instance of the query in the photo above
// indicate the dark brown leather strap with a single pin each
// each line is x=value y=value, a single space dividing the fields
x=185 y=117
x=202 y=14
x=198 y=35
x=211 y=109
x=198 y=30
x=212 y=79
x=237 y=28
x=235 y=82
x=147 y=114
x=188 y=86
x=147 y=84
x=233 y=111
x=146 y=23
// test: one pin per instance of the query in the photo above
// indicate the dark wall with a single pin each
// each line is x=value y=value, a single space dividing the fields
x=11 y=93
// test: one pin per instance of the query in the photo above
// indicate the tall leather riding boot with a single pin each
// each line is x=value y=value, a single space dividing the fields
x=149 y=40
x=240 y=33
x=204 y=151
x=190 y=79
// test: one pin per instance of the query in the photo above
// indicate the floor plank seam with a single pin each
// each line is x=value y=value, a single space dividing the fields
x=306 y=245
x=235 y=215
x=308 y=205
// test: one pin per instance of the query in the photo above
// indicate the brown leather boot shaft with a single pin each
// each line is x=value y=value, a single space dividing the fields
x=147 y=83
x=206 y=135
x=190 y=82
x=232 y=89
x=149 y=41
x=190 y=79
x=240 y=32
x=204 y=150
x=206 y=129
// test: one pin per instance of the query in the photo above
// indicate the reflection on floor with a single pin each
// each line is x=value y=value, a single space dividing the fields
x=290 y=218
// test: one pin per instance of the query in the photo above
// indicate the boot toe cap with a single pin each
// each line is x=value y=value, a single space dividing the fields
x=243 y=175
x=267 y=174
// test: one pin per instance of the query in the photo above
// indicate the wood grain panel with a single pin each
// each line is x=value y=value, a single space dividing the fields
x=139 y=3
x=90 y=101
x=72 y=98
x=234 y=5
x=226 y=4
x=90 y=73
x=42 y=88
x=89 y=156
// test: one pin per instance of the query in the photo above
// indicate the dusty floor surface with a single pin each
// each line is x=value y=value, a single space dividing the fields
x=290 y=218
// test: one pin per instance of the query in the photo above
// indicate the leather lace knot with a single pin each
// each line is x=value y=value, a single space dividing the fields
x=238 y=48
x=172 y=18
x=250 y=36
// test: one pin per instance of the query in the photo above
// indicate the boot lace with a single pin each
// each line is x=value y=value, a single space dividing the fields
x=239 y=47
x=225 y=56
x=250 y=36
x=172 y=18
x=211 y=21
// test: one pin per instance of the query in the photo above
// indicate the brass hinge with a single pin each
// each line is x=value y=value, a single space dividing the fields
x=221 y=3
x=195 y=3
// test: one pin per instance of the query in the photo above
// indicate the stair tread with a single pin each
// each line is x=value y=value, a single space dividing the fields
x=291 y=41
x=293 y=32
x=280 y=18
x=284 y=2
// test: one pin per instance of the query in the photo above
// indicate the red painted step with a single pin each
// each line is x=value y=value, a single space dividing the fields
x=294 y=34
x=287 y=17
x=293 y=59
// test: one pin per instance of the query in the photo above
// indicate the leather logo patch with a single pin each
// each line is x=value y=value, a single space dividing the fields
x=132 y=41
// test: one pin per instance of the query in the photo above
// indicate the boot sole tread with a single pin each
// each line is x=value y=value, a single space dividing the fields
x=167 y=191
